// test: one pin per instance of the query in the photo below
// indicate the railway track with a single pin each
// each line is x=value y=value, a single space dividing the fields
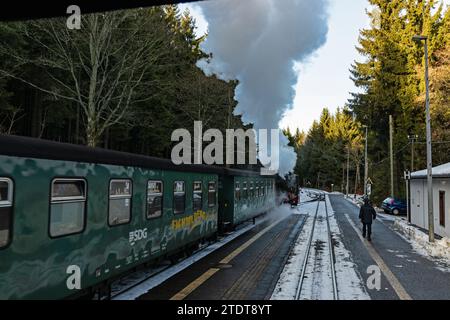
x=126 y=287
x=318 y=277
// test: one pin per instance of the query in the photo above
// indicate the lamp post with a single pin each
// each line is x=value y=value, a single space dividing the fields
x=429 y=154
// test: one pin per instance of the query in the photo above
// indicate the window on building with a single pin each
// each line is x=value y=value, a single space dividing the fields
x=197 y=196
x=179 y=197
x=120 y=194
x=237 y=193
x=6 y=206
x=154 y=199
x=442 y=208
x=67 y=206
x=211 y=194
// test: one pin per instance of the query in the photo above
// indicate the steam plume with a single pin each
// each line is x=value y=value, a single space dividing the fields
x=258 y=42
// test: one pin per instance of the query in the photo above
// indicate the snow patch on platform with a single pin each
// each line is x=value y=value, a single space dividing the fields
x=358 y=201
x=419 y=241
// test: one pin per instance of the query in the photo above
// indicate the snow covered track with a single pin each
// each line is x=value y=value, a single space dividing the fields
x=317 y=280
x=331 y=252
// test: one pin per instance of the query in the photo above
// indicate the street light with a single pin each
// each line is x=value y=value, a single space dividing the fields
x=429 y=155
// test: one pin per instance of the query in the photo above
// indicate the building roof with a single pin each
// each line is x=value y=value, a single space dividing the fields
x=442 y=171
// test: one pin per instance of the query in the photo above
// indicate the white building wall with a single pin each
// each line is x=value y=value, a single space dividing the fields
x=419 y=204
x=417 y=209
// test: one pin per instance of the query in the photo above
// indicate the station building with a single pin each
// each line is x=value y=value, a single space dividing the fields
x=441 y=199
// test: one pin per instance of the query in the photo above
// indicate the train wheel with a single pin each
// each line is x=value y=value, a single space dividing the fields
x=191 y=249
x=174 y=259
x=213 y=238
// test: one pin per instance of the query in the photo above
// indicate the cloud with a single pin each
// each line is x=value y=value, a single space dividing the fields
x=258 y=42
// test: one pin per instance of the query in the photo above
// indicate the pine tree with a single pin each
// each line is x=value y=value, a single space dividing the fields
x=390 y=80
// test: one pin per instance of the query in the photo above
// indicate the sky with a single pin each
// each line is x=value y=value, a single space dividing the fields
x=324 y=79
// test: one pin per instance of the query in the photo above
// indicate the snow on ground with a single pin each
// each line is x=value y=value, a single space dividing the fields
x=317 y=284
x=318 y=280
x=355 y=198
x=308 y=194
x=439 y=251
x=288 y=281
x=349 y=282
x=358 y=200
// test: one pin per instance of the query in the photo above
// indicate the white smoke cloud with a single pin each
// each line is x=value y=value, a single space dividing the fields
x=258 y=42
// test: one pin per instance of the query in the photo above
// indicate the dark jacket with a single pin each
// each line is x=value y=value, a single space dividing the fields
x=367 y=213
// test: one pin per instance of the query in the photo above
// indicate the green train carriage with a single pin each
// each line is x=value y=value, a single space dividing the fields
x=69 y=211
x=243 y=196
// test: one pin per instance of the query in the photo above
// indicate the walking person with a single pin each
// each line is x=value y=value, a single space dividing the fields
x=367 y=214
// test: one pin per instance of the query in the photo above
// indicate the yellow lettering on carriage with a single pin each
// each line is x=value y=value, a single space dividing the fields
x=197 y=218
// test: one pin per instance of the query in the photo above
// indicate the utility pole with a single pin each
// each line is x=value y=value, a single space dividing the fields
x=407 y=177
x=348 y=169
x=429 y=152
x=366 y=166
x=391 y=152
x=412 y=140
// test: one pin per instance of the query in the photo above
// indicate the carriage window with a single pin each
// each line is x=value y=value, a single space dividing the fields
x=6 y=196
x=197 y=196
x=237 y=194
x=67 y=206
x=211 y=194
x=257 y=190
x=245 y=191
x=179 y=197
x=154 y=199
x=251 y=190
x=120 y=191
x=263 y=189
